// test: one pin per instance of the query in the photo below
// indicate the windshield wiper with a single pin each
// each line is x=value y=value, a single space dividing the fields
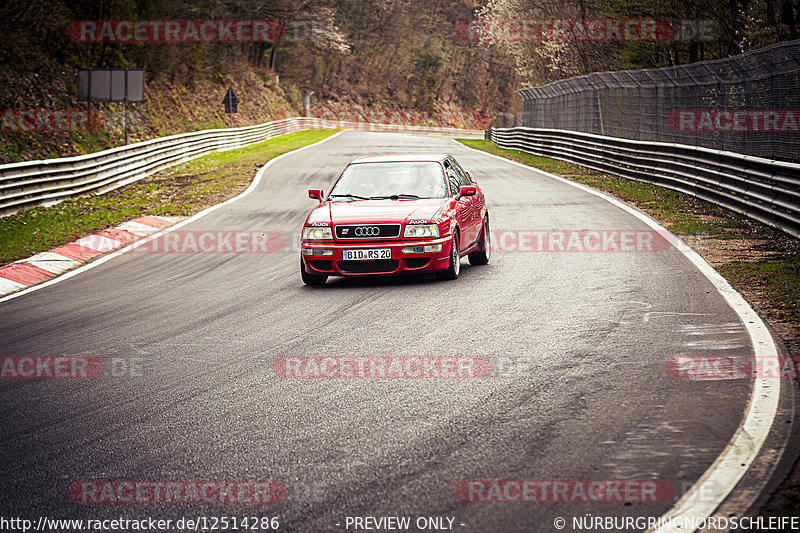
x=349 y=196
x=394 y=197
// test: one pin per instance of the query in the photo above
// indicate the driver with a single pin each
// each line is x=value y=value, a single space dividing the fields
x=427 y=181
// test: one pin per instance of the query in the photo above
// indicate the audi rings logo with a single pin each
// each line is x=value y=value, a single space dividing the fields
x=367 y=231
x=376 y=231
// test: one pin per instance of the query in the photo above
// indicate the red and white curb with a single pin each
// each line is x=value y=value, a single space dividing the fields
x=47 y=265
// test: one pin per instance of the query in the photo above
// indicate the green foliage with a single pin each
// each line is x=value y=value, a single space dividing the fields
x=179 y=191
x=780 y=279
x=354 y=54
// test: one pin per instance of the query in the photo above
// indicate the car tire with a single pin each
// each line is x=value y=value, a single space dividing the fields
x=481 y=255
x=311 y=279
x=454 y=265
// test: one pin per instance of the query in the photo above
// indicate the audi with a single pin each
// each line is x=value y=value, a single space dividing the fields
x=393 y=214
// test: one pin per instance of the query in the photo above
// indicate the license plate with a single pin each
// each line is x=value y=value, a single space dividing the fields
x=367 y=254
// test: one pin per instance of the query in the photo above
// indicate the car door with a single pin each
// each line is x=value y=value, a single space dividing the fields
x=479 y=202
x=464 y=207
x=476 y=203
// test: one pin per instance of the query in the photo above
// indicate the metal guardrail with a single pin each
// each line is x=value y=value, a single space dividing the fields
x=762 y=189
x=49 y=181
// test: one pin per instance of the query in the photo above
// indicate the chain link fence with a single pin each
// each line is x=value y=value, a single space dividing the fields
x=749 y=104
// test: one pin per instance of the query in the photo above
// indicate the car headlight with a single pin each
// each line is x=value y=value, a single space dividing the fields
x=311 y=233
x=421 y=230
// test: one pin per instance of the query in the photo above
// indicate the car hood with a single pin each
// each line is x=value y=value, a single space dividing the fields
x=376 y=211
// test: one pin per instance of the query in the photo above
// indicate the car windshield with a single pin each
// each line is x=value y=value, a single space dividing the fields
x=417 y=179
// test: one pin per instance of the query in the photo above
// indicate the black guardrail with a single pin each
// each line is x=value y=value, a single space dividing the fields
x=762 y=189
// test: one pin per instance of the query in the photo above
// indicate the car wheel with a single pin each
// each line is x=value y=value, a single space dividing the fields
x=311 y=279
x=481 y=255
x=454 y=266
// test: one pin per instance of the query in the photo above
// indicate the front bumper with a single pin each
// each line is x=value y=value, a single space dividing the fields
x=400 y=262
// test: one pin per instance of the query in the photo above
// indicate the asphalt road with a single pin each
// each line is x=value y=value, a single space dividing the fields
x=205 y=329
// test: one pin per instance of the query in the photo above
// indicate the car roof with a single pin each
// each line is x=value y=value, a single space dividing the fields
x=400 y=158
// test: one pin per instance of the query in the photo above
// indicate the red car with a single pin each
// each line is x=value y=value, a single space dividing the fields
x=393 y=214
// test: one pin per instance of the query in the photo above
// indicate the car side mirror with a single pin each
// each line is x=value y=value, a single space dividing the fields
x=316 y=194
x=466 y=190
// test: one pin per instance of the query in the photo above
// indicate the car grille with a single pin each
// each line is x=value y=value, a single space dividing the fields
x=365 y=267
x=368 y=231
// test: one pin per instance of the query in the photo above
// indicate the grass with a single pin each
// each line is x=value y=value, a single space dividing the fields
x=680 y=213
x=779 y=279
x=179 y=191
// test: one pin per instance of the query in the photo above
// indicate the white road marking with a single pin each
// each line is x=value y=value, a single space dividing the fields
x=51 y=262
x=100 y=260
x=137 y=228
x=99 y=243
x=744 y=446
x=6 y=285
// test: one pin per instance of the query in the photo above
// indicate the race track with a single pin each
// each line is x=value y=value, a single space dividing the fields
x=205 y=328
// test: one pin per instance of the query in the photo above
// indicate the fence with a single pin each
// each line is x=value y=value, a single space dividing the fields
x=763 y=189
x=49 y=181
x=749 y=104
